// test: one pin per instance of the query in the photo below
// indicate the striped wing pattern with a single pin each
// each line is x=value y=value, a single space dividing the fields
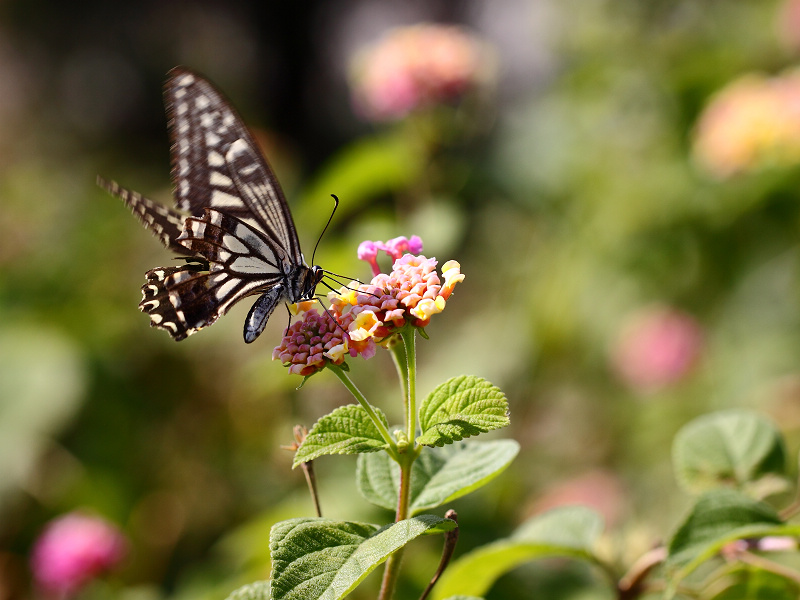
x=216 y=162
x=165 y=223
x=232 y=219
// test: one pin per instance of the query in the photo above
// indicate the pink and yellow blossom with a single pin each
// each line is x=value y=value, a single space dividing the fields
x=752 y=123
x=411 y=294
x=415 y=67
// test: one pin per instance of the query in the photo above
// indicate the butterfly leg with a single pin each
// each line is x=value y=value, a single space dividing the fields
x=260 y=312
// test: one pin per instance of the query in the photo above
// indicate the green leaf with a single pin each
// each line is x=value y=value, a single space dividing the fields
x=461 y=407
x=378 y=479
x=751 y=582
x=347 y=430
x=321 y=559
x=718 y=515
x=735 y=447
x=438 y=475
x=258 y=590
x=719 y=518
x=568 y=532
x=441 y=476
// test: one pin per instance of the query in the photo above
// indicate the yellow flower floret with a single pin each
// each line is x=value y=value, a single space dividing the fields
x=363 y=326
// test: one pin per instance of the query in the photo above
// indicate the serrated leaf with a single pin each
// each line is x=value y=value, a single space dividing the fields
x=733 y=447
x=461 y=407
x=568 y=532
x=438 y=475
x=258 y=590
x=321 y=559
x=347 y=430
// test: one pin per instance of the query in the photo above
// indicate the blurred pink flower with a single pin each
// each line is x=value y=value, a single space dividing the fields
x=788 y=24
x=753 y=122
x=416 y=66
x=600 y=490
x=657 y=347
x=74 y=549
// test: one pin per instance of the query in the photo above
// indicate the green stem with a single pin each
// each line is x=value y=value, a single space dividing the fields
x=409 y=342
x=382 y=429
x=400 y=363
x=407 y=457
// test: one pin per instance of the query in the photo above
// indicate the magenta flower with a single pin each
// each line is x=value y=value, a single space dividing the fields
x=418 y=66
x=395 y=248
x=657 y=347
x=74 y=549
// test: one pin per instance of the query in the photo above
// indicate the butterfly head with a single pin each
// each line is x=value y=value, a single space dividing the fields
x=312 y=278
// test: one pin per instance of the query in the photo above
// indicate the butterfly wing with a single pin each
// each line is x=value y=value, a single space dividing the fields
x=216 y=162
x=239 y=226
x=165 y=223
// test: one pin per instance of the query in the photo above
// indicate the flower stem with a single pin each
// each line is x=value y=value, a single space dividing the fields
x=382 y=429
x=407 y=457
x=409 y=342
x=400 y=363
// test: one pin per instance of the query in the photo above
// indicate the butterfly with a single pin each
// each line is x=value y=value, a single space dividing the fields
x=231 y=225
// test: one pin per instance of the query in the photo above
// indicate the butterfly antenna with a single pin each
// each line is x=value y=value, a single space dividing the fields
x=333 y=212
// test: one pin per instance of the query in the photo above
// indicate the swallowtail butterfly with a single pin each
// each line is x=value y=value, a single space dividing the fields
x=232 y=224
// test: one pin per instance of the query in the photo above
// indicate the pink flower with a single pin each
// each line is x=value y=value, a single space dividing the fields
x=74 y=549
x=657 y=347
x=395 y=248
x=314 y=342
x=411 y=294
x=414 y=67
x=752 y=123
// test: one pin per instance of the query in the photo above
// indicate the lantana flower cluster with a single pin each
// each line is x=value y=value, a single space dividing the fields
x=417 y=66
x=313 y=342
x=753 y=122
x=362 y=315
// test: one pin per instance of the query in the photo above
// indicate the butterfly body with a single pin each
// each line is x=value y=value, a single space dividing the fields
x=232 y=220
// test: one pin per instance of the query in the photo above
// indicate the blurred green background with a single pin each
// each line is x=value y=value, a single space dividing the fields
x=568 y=190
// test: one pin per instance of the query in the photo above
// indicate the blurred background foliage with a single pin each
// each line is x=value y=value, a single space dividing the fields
x=631 y=260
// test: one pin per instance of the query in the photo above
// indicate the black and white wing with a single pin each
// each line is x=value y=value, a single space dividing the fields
x=237 y=226
x=217 y=164
x=165 y=223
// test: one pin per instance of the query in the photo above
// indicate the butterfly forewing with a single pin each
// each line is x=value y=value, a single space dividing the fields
x=207 y=135
x=237 y=225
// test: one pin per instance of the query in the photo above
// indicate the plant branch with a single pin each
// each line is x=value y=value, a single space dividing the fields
x=450 y=540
